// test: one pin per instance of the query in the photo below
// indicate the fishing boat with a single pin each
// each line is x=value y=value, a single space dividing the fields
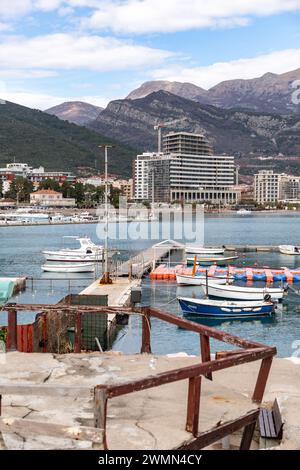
x=242 y=293
x=6 y=289
x=208 y=260
x=198 y=280
x=289 y=250
x=69 y=268
x=88 y=251
x=201 y=250
x=225 y=308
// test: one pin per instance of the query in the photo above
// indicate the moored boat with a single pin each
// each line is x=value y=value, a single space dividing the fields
x=69 y=268
x=88 y=251
x=208 y=260
x=6 y=289
x=241 y=292
x=289 y=250
x=201 y=250
x=199 y=280
x=225 y=308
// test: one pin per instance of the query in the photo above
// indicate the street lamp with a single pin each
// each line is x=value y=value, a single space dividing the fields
x=106 y=279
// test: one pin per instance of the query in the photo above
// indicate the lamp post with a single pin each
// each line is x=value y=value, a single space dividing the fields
x=106 y=279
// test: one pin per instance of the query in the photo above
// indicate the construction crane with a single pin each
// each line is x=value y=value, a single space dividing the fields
x=160 y=126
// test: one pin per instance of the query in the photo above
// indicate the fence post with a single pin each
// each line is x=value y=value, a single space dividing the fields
x=146 y=331
x=247 y=436
x=262 y=379
x=100 y=412
x=193 y=405
x=77 y=348
x=12 y=330
x=205 y=352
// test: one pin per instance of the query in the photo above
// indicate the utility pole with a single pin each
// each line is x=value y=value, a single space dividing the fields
x=106 y=279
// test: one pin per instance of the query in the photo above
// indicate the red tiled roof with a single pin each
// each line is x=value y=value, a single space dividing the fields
x=46 y=191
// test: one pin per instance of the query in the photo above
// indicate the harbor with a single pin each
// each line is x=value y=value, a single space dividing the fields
x=123 y=331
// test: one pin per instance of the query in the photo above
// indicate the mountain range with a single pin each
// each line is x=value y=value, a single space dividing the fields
x=34 y=137
x=77 y=112
x=240 y=132
x=270 y=93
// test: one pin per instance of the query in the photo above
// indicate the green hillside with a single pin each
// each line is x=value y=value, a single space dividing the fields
x=34 y=137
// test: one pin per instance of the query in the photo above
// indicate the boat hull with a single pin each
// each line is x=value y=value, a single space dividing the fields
x=208 y=260
x=242 y=293
x=197 y=280
x=201 y=250
x=83 y=268
x=73 y=258
x=289 y=250
x=221 y=309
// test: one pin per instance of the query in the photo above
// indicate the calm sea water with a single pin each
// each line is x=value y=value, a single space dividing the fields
x=20 y=254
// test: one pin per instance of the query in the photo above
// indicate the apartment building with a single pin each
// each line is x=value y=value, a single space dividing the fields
x=270 y=187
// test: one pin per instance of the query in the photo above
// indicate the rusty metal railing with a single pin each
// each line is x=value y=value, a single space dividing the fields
x=248 y=351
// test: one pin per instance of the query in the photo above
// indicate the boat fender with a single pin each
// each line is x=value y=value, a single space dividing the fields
x=267 y=298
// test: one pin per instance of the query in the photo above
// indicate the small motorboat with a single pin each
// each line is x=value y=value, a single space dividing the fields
x=289 y=250
x=225 y=308
x=201 y=250
x=69 y=268
x=243 y=293
x=88 y=251
x=208 y=260
x=198 y=280
x=6 y=289
x=243 y=212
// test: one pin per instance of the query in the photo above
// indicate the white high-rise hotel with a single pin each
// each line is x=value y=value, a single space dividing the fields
x=186 y=170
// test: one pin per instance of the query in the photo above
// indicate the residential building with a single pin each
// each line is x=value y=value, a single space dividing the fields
x=50 y=198
x=186 y=170
x=35 y=175
x=270 y=187
x=125 y=186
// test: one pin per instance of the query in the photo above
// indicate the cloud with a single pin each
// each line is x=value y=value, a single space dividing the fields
x=70 y=52
x=44 y=101
x=208 y=76
x=149 y=16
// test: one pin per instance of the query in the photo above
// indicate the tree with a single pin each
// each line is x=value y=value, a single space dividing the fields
x=1 y=187
x=114 y=196
x=50 y=184
x=20 y=189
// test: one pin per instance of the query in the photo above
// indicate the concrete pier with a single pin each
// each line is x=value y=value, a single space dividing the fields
x=153 y=418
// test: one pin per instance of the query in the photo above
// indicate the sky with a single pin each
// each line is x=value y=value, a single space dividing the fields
x=53 y=51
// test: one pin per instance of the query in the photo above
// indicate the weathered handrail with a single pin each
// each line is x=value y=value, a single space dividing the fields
x=249 y=351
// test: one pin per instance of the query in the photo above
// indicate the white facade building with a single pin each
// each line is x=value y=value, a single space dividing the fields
x=270 y=187
x=183 y=173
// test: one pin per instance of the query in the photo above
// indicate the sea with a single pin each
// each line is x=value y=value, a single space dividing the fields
x=21 y=255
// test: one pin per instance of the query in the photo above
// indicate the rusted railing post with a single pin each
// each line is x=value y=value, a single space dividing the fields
x=262 y=379
x=12 y=330
x=100 y=412
x=247 y=436
x=77 y=347
x=205 y=352
x=193 y=405
x=146 y=331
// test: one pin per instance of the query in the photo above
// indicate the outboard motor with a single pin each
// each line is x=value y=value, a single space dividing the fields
x=267 y=298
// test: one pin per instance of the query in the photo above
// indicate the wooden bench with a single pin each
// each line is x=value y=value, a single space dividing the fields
x=270 y=422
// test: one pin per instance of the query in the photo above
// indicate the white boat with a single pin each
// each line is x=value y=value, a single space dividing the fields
x=225 y=308
x=243 y=212
x=201 y=250
x=289 y=250
x=242 y=293
x=69 y=268
x=208 y=260
x=198 y=280
x=88 y=251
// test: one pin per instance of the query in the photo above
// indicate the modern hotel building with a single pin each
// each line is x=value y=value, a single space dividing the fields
x=186 y=170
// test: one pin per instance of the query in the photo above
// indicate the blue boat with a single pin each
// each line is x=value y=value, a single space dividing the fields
x=226 y=308
x=6 y=289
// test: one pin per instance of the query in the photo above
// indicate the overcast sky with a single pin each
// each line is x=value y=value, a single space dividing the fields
x=98 y=50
